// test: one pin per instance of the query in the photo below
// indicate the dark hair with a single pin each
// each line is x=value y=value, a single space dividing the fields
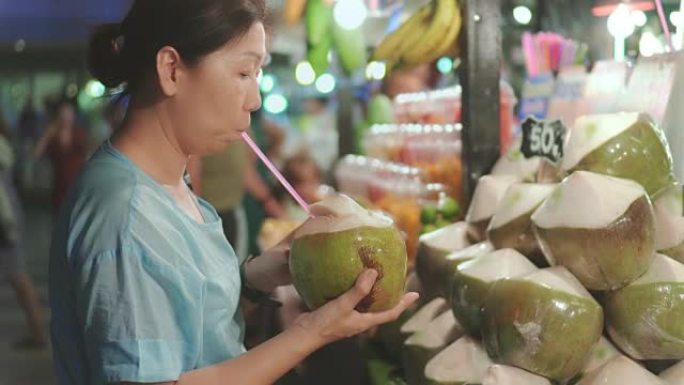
x=126 y=52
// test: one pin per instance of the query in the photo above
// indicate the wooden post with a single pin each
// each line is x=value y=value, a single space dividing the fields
x=480 y=75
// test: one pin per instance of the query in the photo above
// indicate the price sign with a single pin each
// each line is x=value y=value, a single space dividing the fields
x=543 y=138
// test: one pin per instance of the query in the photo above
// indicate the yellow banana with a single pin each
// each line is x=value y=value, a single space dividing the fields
x=293 y=11
x=448 y=46
x=433 y=36
x=387 y=49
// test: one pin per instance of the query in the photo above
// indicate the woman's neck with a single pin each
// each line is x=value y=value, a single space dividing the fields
x=145 y=137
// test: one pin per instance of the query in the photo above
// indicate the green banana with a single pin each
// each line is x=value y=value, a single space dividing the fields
x=318 y=23
x=317 y=55
x=433 y=36
x=387 y=49
x=350 y=45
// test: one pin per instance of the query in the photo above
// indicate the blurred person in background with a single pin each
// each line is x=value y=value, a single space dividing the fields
x=11 y=262
x=28 y=132
x=144 y=287
x=305 y=176
x=66 y=146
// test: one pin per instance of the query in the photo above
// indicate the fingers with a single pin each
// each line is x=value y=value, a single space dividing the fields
x=362 y=287
x=392 y=314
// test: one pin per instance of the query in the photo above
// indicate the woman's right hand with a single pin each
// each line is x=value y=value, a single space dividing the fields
x=339 y=318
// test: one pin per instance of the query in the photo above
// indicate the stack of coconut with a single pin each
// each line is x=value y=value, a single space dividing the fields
x=557 y=276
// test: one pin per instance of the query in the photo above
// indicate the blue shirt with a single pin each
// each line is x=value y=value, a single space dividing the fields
x=139 y=291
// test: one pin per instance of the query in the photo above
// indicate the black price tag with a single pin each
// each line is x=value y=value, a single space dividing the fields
x=543 y=138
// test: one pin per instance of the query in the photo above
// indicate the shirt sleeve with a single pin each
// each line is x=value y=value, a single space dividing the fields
x=141 y=316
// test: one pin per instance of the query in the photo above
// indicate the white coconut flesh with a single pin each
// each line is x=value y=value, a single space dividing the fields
x=592 y=131
x=472 y=251
x=669 y=220
x=508 y=375
x=437 y=332
x=424 y=315
x=558 y=278
x=674 y=375
x=586 y=200
x=662 y=270
x=519 y=199
x=500 y=264
x=514 y=163
x=621 y=371
x=488 y=193
x=449 y=238
x=603 y=352
x=463 y=361
x=339 y=213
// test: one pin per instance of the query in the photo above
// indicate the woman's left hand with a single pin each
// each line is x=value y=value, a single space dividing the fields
x=270 y=269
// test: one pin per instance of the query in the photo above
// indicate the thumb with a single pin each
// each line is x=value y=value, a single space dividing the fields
x=362 y=287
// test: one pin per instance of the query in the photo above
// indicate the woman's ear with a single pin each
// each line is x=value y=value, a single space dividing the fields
x=169 y=64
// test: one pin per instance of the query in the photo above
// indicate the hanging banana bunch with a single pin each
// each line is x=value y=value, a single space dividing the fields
x=430 y=33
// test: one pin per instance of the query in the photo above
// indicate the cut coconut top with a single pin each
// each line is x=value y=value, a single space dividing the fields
x=489 y=191
x=591 y=131
x=662 y=269
x=602 y=352
x=472 y=251
x=515 y=164
x=558 y=278
x=674 y=375
x=450 y=238
x=621 y=371
x=508 y=375
x=669 y=220
x=502 y=263
x=586 y=200
x=463 y=361
x=339 y=213
x=424 y=315
x=520 y=199
x=438 y=332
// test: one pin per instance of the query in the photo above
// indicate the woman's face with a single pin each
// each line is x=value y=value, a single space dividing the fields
x=213 y=104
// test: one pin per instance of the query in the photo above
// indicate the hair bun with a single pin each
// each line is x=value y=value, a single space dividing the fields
x=105 y=60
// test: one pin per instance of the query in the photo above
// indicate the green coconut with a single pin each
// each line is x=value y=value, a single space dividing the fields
x=669 y=214
x=423 y=345
x=390 y=335
x=674 y=375
x=511 y=226
x=624 y=145
x=603 y=352
x=341 y=240
x=394 y=334
x=621 y=370
x=473 y=279
x=508 y=375
x=601 y=228
x=544 y=322
x=464 y=362
x=514 y=163
x=433 y=248
x=488 y=193
x=455 y=259
x=646 y=318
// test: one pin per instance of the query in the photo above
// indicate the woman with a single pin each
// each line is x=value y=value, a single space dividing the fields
x=66 y=146
x=144 y=287
x=11 y=234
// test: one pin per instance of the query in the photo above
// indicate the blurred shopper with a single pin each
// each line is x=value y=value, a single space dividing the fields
x=28 y=132
x=66 y=146
x=11 y=262
x=305 y=176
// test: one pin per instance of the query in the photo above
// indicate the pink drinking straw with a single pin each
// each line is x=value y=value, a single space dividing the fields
x=275 y=172
x=663 y=23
